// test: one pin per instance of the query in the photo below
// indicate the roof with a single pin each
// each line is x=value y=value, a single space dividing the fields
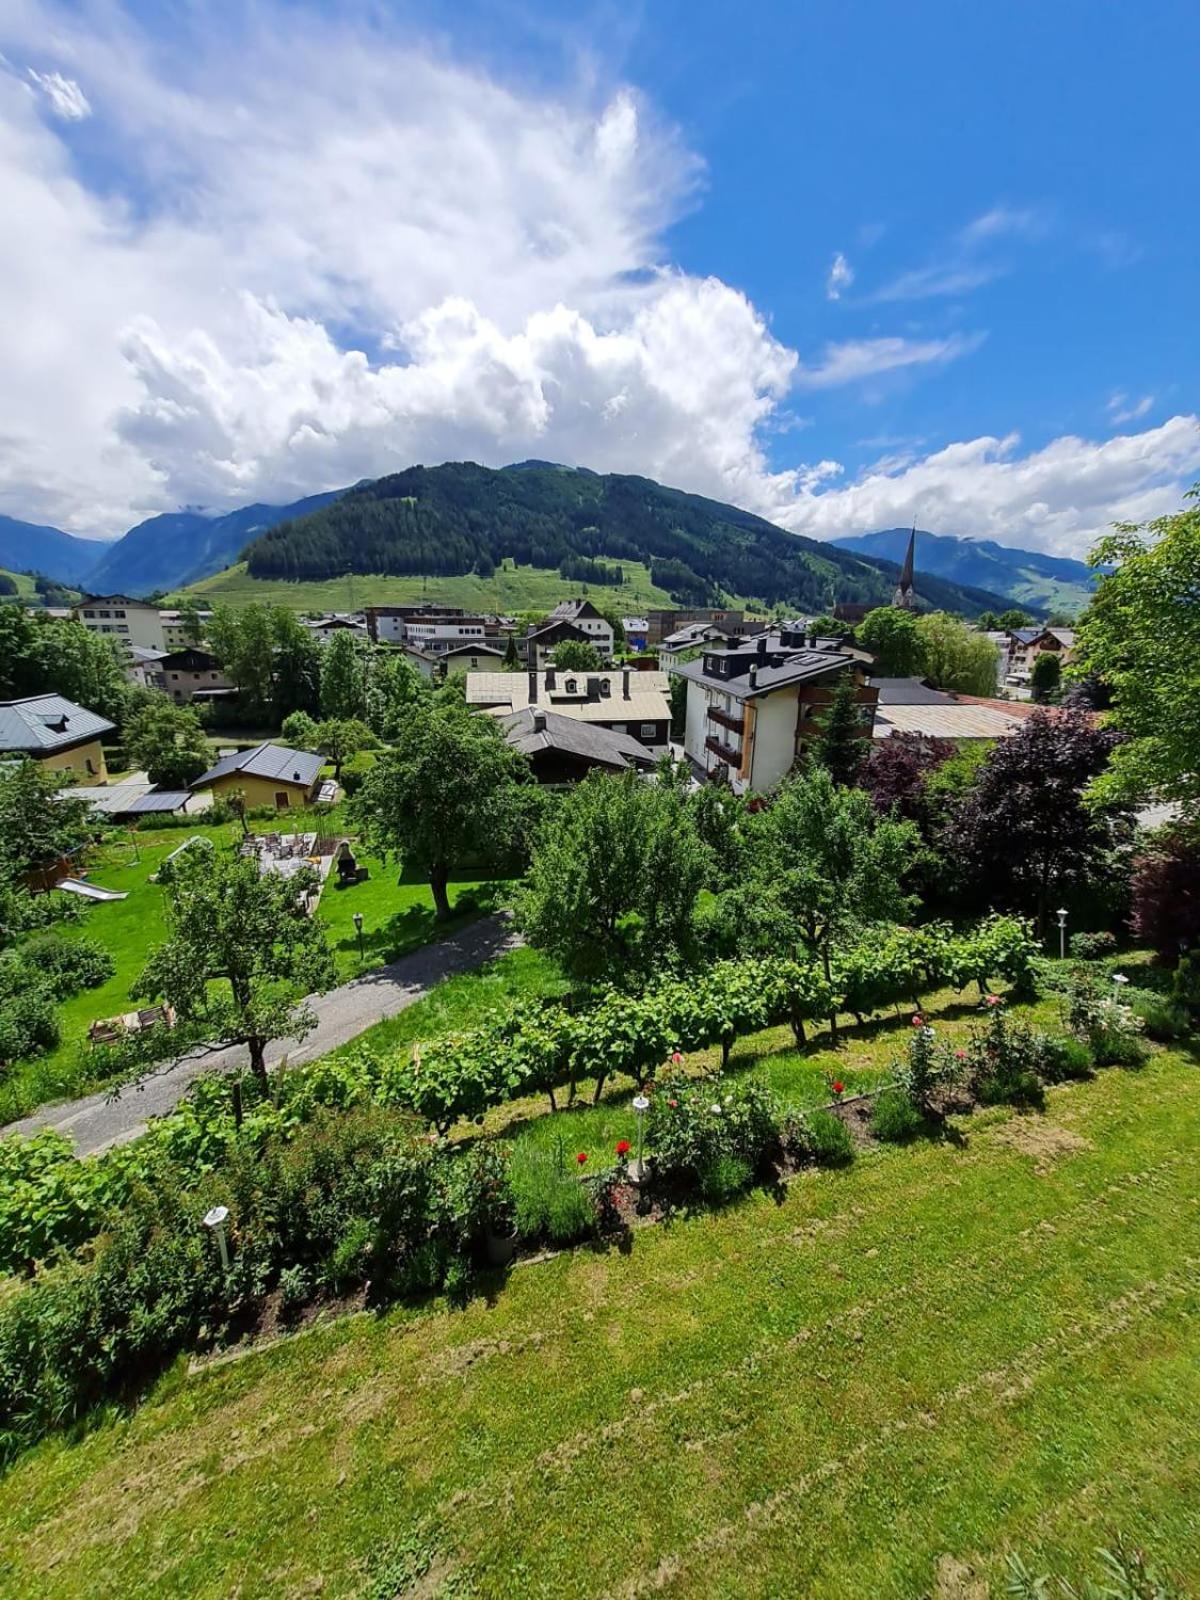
x=568 y=610
x=695 y=633
x=190 y=659
x=115 y=600
x=801 y=666
x=909 y=692
x=952 y=721
x=466 y=648
x=274 y=762
x=533 y=729
x=509 y=691
x=43 y=723
x=635 y=624
x=130 y=799
x=144 y=654
x=557 y=628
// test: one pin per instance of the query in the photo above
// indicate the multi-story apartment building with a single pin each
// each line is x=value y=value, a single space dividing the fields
x=128 y=621
x=751 y=710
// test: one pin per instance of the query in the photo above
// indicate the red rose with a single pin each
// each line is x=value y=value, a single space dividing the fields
x=622 y=1147
x=673 y=1104
x=918 y=1020
x=960 y=1055
x=838 y=1086
x=993 y=999
x=676 y=1057
x=581 y=1157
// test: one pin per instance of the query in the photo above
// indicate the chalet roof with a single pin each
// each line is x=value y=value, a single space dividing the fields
x=466 y=648
x=572 y=610
x=533 y=729
x=955 y=720
x=800 y=666
x=274 y=762
x=43 y=723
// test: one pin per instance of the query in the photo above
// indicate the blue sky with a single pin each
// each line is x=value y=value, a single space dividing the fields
x=847 y=265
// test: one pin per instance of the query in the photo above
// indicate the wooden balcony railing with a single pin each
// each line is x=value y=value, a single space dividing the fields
x=726 y=719
x=726 y=752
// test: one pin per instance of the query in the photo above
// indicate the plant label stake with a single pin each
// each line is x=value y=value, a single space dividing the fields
x=215 y=1220
x=641 y=1104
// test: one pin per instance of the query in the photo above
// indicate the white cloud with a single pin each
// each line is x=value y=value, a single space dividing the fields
x=1058 y=498
x=1001 y=220
x=1123 y=409
x=857 y=359
x=322 y=252
x=64 y=96
x=841 y=276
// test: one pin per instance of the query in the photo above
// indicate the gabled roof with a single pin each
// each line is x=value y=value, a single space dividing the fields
x=189 y=659
x=909 y=692
x=43 y=723
x=801 y=666
x=466 y=648
x=275 y=762
x=115 y=600
x=559 y=628
x=569 y=610
x=532 y=730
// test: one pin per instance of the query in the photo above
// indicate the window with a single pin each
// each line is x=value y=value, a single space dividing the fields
x=649 y=729
x=571 y=686
x=89 y=613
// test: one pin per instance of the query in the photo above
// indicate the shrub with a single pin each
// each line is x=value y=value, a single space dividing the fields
x=48 y=1199
x=819 y=1137
x=548 y=1201
x=1063 y=1057
x=29 y=1023
x=1093 y=946
x=67 y=965
x=1002 y=1059
x=1161 y=1017
x=474 y=1197
x=1108 y=1027
x=295 y=1290
x=896 y=1117
x=1185 y=987
x=696 y=1128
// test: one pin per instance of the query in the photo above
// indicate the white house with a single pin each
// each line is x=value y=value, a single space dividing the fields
x=625 y=701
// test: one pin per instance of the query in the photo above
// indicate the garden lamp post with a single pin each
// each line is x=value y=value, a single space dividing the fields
x=1119 y=982
x=358 y=925
x=1062 y=932
x=215 y=1220
x=641 y=1104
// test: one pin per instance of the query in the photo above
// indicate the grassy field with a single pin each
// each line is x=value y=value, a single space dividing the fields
x=510 y=589
x=877 y=1383
x=397 y=918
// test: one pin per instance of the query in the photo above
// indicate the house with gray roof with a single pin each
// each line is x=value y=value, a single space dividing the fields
x=563 y=749
x=267 y=775
x=56 y=733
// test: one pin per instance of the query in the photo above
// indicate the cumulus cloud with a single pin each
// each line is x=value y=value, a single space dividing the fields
x=63 y=95
x=841 y=276
x=1057 y=498
x=323 y=250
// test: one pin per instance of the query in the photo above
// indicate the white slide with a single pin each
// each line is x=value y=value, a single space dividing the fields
x=90 y=891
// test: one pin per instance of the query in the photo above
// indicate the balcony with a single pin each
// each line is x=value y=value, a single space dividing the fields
x=725 y=719
x=724 y=752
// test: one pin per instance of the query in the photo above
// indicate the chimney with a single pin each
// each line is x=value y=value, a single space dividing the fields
x=625 y=683
x=533 y=678
x=551 y=680
x=811 y=641
x=539 y=722
x=753 y=677
x=762 y=648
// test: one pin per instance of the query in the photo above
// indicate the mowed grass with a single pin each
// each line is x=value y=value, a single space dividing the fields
x=509 y=589
x=398 y=917
x=939 y=1355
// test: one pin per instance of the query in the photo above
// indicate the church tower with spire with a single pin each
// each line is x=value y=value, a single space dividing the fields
x=905 y=595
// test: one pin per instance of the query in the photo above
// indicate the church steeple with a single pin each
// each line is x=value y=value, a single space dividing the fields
x=905 y=595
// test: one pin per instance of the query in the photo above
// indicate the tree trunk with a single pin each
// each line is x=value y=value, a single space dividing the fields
x=441 y=900
x=828 y=969
x=258 y=1057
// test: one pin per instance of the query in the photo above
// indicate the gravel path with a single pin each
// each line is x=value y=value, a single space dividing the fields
x=101 y=1120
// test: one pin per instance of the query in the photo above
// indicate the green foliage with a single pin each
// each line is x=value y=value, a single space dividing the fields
x=273 y=660
x=1161 y=1018
x=240 y=956
x=446 y=791
x=1003 y=1059
x=1124 y=1574
x=1093 y=946
x=819 y=1137
x=956 y=656
x=67 y=965
x=549 y=1200
x=712 y=1135
x=340 y=739
x=39 y=654
x=1045 y=675
x=299 y=731
x=343 y=679
x=577 y=655
x=169 y=742
x=892 y=637
x=1107 y=1026
x=38 y=824
x=612 y=884
x=896 y=1117
x=1141 y=637
x=843 y=745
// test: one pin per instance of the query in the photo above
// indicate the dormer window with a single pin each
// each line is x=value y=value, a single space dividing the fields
x=572 y=686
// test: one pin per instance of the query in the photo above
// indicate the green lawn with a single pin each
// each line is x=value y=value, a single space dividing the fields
x=861 y=1387
x=509 y=589
x=397 y=918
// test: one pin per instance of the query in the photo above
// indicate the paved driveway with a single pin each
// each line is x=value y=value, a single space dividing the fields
x=101 y=1120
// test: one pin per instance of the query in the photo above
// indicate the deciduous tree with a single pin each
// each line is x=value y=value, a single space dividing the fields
x=240 y=955
x=340 y=738
x=956 y=656
x=1045 y=675
x=1141 y=637
x=445 y=792
x=577 y=655
x=343 y=679
x=168 y=741
x=892 y=638
x=39 y=821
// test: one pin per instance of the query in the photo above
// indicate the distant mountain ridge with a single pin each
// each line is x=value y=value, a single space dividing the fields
x=35 y=547
x=459 y=518
x=1023 y=577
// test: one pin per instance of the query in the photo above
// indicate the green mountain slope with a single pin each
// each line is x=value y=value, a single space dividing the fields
x=459 y=519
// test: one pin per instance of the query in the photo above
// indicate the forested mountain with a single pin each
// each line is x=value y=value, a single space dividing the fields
x=34 y=547
x=1024 y=577
x=462 y=518
x=181 y=546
